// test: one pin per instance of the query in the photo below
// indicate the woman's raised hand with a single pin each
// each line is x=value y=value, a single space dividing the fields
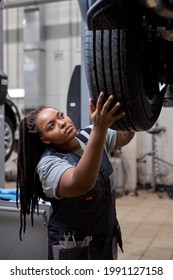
x=101 y=114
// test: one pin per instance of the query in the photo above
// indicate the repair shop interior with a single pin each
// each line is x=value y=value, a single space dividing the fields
x=60 y=54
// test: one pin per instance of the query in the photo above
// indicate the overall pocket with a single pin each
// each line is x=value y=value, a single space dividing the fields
x=71 y=253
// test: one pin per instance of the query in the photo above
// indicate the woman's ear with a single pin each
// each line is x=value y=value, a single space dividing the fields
x=44 y=140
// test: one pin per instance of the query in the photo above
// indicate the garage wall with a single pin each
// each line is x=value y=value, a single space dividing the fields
x=62 y=43
x=63 y=49
x=13 y=47
x=62 y=35
x=163 y=149
x=142 y=144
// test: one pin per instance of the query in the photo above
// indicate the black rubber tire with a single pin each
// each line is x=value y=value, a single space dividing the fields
x=122 y=63
x=8 y=137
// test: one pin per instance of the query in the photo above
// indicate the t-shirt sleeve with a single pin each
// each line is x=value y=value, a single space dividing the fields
x=50 y=170
x=111 y=138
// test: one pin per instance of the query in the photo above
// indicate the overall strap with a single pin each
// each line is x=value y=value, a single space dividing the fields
x=106 y=166
x=83 y=135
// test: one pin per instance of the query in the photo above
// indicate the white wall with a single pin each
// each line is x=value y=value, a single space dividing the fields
x=164 y=150
x=13 y=47
x=62 y=28
x=63 y=51
x=141 y=172
x=129 y=154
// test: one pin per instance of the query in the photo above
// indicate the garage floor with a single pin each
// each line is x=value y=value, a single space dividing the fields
x=147 y=226
x=146 y=221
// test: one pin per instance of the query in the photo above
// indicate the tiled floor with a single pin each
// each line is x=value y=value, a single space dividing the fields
x=147 y=226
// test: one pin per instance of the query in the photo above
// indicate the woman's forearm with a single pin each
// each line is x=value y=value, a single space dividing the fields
x=89 y=163
x=123 y=138
x=81 y=179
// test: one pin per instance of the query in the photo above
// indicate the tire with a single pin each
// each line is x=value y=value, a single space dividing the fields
x=8 y=137
x=121 y=62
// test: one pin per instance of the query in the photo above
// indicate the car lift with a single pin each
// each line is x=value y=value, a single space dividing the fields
x=157 y=182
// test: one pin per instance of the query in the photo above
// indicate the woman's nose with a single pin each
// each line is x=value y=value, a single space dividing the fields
x=61 y=123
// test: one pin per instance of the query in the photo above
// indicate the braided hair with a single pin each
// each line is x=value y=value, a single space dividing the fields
x=30 y=149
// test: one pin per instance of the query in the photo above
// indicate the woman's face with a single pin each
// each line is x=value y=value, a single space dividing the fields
x=55 y=127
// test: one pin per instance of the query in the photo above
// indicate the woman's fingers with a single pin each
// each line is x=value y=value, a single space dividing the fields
x=99 y=104
x=108 y=102
x=91 y=105
x=105 y=108
x=113 y=110
x=119 y=116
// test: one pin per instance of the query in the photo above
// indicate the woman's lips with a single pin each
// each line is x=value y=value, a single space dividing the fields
x=68 y=129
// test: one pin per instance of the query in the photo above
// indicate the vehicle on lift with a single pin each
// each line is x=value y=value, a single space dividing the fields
x=11 y=122
x=128 y=52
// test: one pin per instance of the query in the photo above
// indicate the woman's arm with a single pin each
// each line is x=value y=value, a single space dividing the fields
x=123 y=138
x=80 y=179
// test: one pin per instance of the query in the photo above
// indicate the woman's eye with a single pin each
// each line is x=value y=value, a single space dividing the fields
x=61 y=115
x=51 y=126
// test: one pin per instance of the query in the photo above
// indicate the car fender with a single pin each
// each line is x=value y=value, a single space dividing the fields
x=84 y=5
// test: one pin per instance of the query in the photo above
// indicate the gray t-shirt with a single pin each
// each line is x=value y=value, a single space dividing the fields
x=50 y=168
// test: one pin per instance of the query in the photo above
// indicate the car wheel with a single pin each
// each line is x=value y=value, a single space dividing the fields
x=123 y=63
x=8 y=137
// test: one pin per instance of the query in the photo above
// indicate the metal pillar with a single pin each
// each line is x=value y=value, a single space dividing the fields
x=2 y=149
x=34 y=58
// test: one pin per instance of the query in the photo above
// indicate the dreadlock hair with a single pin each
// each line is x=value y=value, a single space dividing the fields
x=30 y=149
